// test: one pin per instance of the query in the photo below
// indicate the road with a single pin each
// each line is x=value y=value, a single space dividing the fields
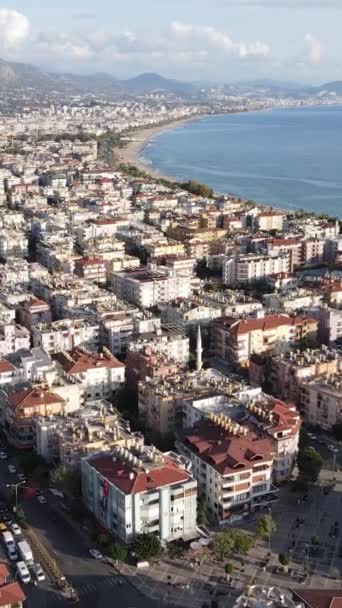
x=97 y=583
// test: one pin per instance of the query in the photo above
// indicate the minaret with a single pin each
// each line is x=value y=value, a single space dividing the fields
x=199 y=362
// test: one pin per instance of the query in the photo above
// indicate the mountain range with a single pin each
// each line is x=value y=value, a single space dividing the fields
x=24 y=76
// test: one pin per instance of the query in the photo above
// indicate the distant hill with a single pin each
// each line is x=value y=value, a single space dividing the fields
x=330 y=88
x=22 y=76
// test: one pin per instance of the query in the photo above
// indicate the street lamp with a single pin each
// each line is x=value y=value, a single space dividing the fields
x=15 y=486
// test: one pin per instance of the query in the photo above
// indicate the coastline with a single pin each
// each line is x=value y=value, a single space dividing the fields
x=131 y=153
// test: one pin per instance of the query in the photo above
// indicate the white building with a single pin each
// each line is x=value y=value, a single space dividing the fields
x=13 y=244
x=250 y=267
x=147 y=287
x=67 y=334
x=99 y=375
x=141 y=490
x=12 y=338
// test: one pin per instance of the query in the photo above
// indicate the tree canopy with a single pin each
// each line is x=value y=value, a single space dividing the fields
x=309 y=463
x=197 y=188
x=231 y=542
x=118 y=552
x=66 y=480
x=265 y=526
x=147 y=546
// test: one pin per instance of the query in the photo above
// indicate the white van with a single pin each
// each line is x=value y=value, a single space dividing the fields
x=8 y=539
x=23 y=572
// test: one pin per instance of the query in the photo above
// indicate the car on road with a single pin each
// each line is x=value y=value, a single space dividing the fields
x=15 y=529
x=21 y=476
x=95 y=553
x=12 y=469
x=332 y=448
x=3 y=527
x=23 y=572
x=3 y=456
x=12 y=553
x=41 y=499
x=38 y=572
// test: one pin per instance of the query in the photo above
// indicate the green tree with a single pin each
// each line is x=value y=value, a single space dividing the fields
x=197 y=188
x=201 y=512
x=265 y=527
x=103 y=539
x=118 y=552
x=231 y=542
x=67 y=481
x=147 y=546
x=309 y=463
x=228 y=570
x=284 y=559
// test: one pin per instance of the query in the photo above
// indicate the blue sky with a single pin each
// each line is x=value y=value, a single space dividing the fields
x=221 y=40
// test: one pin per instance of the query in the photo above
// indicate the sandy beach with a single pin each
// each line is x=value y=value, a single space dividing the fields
x=131 y=153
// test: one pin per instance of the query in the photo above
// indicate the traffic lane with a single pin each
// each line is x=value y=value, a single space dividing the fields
x=83 y=571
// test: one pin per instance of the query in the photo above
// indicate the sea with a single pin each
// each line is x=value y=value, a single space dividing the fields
x=287 y=158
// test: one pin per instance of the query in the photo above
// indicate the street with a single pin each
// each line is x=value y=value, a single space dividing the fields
x=97 y=583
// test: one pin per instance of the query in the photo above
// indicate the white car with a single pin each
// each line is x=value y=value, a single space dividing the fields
x=41 y=499
x=21 y=477
x=12 y=468
x=38 y=571
x=3 y=456
x=95 y=553
x=16 y=529
x=23 y=572
x=333 y=449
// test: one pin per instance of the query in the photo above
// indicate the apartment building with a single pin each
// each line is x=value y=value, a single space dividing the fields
x=92 y=269
x=99 y=374
x=138 y=490
x=286 y=372
x=236 y=340
x=13 y=337
x=321 y=401
x=232 y=465
x=21 y=406
x=329 y=324
x=292 y=246
x=147 y=287
x=34 y=311
x=117 y=329
x=313 y=251
x=250 y=267
x=148 y=362
x=96 y=427
x=168 y=339
x=13 y=244
x=67 y=334
x=269 y=220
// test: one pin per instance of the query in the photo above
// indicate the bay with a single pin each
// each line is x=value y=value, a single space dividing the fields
x=288 y=158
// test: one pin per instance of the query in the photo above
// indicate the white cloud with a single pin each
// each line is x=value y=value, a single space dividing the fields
x=313 y=49
x=217 y=40
x=14 y=28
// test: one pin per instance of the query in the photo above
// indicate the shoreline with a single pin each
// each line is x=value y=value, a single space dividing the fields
x=131 y=153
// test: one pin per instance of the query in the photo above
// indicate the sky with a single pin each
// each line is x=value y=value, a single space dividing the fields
x=202 y=40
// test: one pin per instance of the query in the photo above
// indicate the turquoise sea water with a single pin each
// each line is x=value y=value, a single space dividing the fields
x=288 y=158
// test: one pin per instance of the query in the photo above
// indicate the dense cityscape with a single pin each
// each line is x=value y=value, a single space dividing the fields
x=170 y=374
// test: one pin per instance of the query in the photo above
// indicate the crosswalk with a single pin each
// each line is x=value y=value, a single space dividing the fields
x=92 y=587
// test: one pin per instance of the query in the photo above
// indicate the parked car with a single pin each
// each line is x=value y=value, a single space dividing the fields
x=21 y=476
x=12 y=553
x=23 y=572
x=12 y=469
x=95 y=553
x=3 y=526
x=38 y=572
x=41 y=499
x=3 y=456
x=15 y=529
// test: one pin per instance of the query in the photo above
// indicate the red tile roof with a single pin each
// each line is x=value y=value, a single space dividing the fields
x=244 y=326
x=132 y=481
x=6 y=366
x=79 y=360
x=10 y=594
x=35 y=302
x=4 y=572
x=90 y=261
x=225 y=452
x=320 y=598
x=32 y=397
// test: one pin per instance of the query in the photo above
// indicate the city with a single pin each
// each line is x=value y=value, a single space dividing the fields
x=170 y=372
